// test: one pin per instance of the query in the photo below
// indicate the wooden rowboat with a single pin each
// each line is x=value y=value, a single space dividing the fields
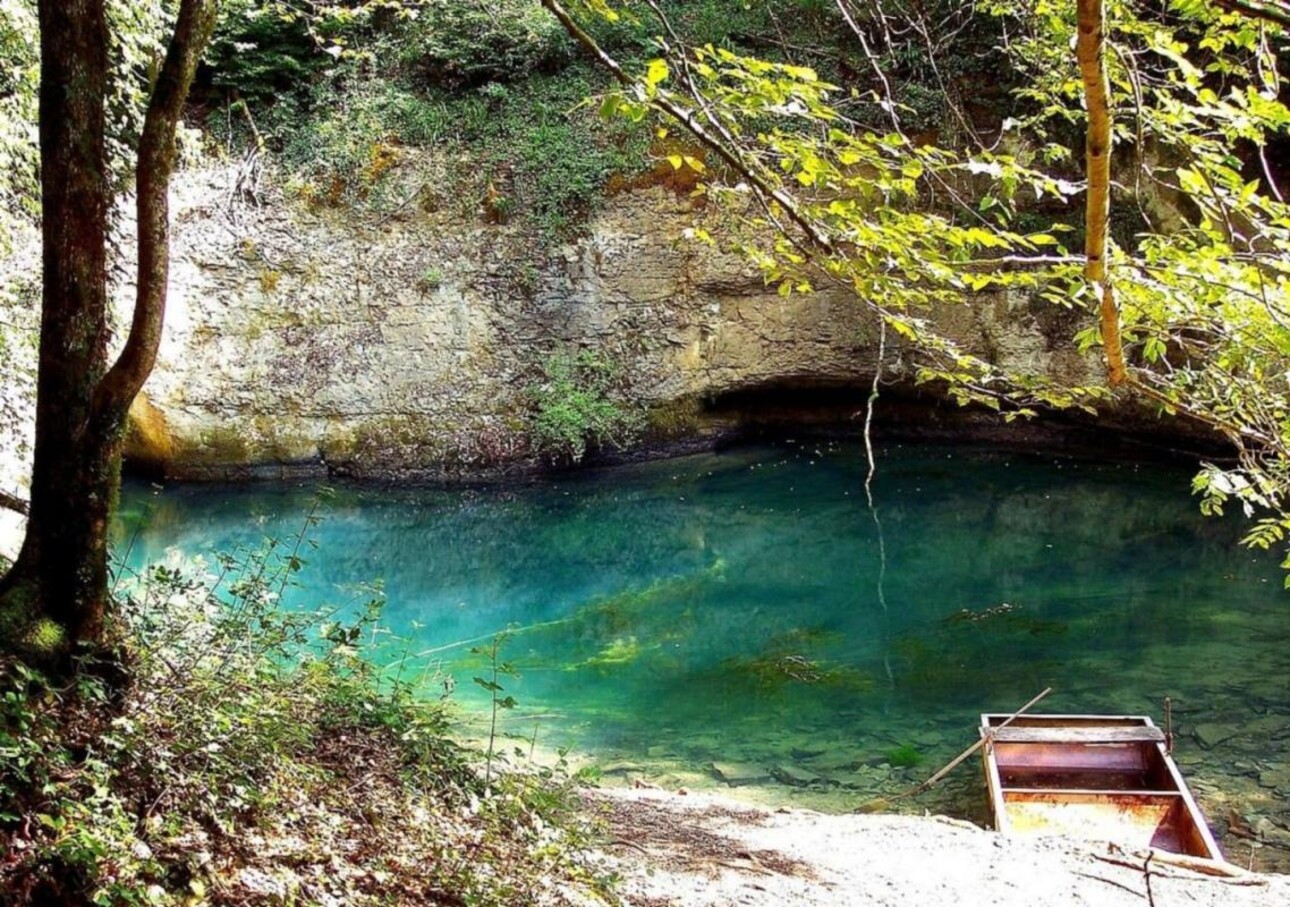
x=1104 y=777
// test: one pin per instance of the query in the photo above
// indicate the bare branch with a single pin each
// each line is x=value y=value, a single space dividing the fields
x=14 y=503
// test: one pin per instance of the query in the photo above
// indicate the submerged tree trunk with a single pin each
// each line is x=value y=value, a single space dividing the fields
x=57 y=592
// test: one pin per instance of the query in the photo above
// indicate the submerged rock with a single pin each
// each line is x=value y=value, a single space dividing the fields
x=1277 y=778
x=796 y=775
x=1211 y=735
x=621 y=767
x=801 y=754
x=739 y=773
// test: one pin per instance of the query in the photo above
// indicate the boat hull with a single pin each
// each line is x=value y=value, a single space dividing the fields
x=1100 y=777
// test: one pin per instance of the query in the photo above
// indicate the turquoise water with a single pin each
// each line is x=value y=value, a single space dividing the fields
x=742 y=618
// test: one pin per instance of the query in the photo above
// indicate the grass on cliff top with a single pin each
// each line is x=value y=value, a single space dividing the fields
x=235 y=753
x=497 y=83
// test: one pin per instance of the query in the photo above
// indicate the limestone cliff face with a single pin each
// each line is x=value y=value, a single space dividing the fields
x=305 y=340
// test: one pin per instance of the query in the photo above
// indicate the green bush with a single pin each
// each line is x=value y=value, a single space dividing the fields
x=345 y=149
x=468 y=43
x=552 y=155
x=261 y=54
x=578 y=405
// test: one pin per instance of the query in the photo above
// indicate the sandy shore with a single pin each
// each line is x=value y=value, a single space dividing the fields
x=698 y=850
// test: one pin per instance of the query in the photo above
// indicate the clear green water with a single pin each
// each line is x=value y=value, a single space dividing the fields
x=735 y=609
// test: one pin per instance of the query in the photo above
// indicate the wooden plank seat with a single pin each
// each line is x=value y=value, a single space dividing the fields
x=1079 y=735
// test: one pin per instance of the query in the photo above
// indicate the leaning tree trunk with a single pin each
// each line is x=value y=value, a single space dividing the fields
x=57 y=592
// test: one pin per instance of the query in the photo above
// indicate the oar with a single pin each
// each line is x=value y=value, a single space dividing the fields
x=874 y=806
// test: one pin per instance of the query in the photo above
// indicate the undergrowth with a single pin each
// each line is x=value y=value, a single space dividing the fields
x=240 y=752
x=497 y=83
x=539 y=155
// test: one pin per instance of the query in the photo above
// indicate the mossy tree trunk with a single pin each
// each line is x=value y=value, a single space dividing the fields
x=56 y=592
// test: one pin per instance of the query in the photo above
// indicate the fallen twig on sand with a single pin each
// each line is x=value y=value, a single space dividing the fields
x=1215 y=869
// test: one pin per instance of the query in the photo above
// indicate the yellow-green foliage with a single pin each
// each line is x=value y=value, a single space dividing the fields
x=25 y=632
x=45 y=636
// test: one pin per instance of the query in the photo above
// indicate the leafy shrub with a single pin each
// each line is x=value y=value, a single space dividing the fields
x=556 y=154
x=564 y=174
x=344 y=151
x=261 y=54
x=498 y=79
x=468 y=43
x=579 y=405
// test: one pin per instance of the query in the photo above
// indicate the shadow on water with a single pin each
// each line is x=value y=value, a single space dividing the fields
x=717 y=619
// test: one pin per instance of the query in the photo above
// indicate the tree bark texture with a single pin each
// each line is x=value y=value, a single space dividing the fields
x=61 y=573
x=63 y=558
x=1090 y=51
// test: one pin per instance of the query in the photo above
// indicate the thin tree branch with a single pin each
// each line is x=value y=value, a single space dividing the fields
x=1275 y=11
x=687 y=119
x=14 y=503
x=889 y=97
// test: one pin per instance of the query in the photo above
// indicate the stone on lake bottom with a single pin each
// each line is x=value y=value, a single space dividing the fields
x=1276 y=778
x=802 y=754
x=620 y=768
x=796 y=775
x=739 y=773
x=1211 y=735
